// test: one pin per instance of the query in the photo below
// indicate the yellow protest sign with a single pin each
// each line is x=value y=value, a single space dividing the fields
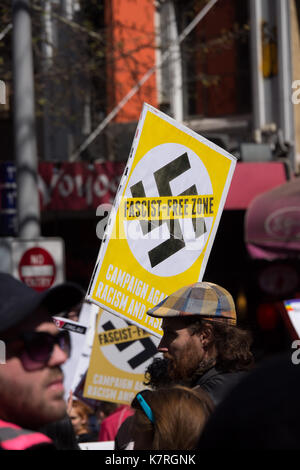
x=120 y=356
x=164 y=219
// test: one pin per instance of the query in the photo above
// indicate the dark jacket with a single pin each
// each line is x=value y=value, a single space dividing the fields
x=218 y=384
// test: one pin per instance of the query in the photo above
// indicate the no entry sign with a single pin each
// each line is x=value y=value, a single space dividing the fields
x=39 y=263
x=37 y=268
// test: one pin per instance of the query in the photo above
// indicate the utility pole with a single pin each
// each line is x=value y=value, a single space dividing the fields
x=285 y=74
x=24 y=123
x=47 y=63
x=259 y=105
x=171 y=70
x=272 y=74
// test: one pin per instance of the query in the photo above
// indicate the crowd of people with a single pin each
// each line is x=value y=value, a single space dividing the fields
x=204 y=392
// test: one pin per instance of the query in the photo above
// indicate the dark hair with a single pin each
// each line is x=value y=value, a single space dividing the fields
x=232 y=344
x=108 y=408
x=156 y=374
x=180 y=415
x=62 y=434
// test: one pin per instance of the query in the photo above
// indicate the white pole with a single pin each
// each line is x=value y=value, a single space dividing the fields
x=286 y=122
x=175 y=67
x=24 y=123
x=259 y=108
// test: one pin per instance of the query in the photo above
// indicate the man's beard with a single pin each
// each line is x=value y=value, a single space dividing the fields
x=30 y=408
x=188 y=366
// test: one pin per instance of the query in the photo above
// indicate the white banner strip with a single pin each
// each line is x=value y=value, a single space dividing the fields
x=35 y=271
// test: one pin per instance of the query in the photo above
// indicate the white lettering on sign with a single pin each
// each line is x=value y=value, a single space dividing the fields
x=123 y=279
x=66 y=186
x=78 y=185
x=101 y=185
x=296 y=93
x=112 y=381
x=101 y=393
x=29 y=271
x=39 y=282
x=37 y=259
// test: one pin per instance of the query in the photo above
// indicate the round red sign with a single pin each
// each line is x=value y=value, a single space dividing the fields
x=37 y=269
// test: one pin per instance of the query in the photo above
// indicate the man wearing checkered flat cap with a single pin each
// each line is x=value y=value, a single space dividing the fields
x=201 y=341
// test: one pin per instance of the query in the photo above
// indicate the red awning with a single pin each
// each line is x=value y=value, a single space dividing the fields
x=272 y=223
x=251 y=179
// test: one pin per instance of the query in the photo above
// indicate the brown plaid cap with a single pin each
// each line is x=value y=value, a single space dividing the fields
x=202 y=298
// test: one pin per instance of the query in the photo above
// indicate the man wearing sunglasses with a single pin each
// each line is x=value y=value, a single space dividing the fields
x=31 y=379
x=201 y=341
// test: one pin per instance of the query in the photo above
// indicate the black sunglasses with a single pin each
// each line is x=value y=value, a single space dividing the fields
x=38 y=347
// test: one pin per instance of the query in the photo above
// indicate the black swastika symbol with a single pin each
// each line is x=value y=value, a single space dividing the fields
x=140 y=358
x=162 y=177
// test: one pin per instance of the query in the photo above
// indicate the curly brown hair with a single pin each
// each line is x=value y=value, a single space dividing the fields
x=231 y=343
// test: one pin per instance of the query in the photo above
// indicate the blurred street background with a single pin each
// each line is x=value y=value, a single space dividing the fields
x=74 y=76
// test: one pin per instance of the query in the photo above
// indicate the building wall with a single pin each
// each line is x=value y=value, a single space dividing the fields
x=221 y=99
x=131 y=53
x=225 y=32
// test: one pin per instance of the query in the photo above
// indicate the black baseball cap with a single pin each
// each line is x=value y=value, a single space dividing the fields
x=18 y=301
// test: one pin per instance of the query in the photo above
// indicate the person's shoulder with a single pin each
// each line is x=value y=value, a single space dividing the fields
x=123 y=437
x=216 y=375
x=218 y=383
x=13 y=437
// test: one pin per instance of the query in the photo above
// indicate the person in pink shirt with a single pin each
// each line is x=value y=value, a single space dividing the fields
x=111 y=424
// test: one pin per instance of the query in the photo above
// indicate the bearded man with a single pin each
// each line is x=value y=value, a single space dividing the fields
x=201 y=341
